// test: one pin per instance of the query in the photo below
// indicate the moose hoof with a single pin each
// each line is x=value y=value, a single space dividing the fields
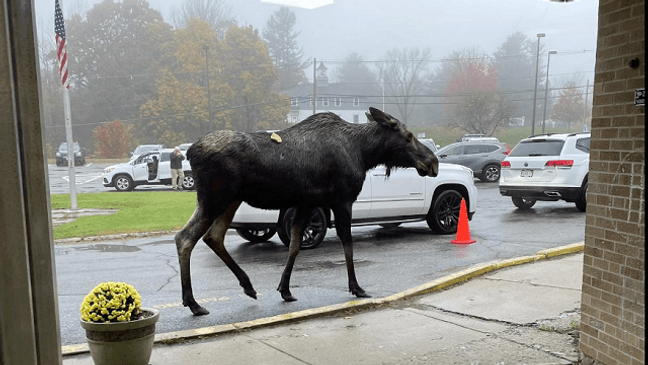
x=198 y=310
x=288 y=297
x=250 y=293
x=360 y=293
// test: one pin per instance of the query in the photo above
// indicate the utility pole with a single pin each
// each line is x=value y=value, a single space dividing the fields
x=585 y=108
x=535 y=89
x=314 y=85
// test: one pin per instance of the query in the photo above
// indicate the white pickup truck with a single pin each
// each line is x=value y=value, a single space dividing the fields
x=403 y=197
x=143 y=171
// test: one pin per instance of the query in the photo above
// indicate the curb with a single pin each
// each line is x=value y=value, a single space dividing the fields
x=435 y=285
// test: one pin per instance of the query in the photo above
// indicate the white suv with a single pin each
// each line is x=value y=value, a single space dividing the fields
x=403 y=197
x=548 y=167
x=144 y=170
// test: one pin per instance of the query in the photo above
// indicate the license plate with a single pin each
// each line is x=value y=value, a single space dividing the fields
x=526 y=173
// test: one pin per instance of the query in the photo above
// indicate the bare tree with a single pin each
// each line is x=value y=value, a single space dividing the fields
x=405 y=74
x=482 y=112
x=216 y=12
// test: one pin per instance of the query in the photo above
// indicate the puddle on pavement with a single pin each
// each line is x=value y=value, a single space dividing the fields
x=101 y=247
x=331 y=264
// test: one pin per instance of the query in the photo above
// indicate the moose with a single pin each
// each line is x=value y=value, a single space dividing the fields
x=319 y=162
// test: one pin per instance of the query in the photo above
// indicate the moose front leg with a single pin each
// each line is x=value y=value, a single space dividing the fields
x=300 y=220
x=186 y=240
x=343 y=228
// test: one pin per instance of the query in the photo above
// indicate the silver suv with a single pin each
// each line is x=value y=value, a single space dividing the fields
x=548 y=167
x=483 y=156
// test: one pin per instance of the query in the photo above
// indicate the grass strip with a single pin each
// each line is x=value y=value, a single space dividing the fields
x=137 y=212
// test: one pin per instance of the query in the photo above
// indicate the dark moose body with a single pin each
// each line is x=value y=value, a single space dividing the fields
x=321 y=161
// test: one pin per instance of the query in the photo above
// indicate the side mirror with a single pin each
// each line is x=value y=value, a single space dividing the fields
x=443 y=156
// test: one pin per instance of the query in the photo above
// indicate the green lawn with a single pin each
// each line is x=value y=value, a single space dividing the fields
x=138 y=212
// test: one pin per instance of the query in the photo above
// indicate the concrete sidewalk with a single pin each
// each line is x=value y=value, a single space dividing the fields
x=519 y=311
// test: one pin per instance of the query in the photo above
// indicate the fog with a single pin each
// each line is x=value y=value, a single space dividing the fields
x=370 y=27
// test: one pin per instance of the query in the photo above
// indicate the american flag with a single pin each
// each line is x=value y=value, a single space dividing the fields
x=61 y=53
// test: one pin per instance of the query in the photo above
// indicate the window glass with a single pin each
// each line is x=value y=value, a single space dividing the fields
x=142 y=159
x=451 y=150
x=487 y=148
x=583 y=144
x=472 y=149
x=165 y=156
x=338 y=101
x=356 y=101
x=538 y=147
x=325 y=101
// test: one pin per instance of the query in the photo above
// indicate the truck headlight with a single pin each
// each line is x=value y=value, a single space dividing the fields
x=58 y=154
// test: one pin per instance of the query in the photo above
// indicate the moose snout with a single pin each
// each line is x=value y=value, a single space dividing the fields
x=428 y=167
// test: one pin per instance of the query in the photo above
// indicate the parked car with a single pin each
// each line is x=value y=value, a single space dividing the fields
x=549 y=167
x=184 y=147
x=403 y=197
x=484 y=157
x=143 y=148
x=144 y=171
x=468 y=136
x=79 y=154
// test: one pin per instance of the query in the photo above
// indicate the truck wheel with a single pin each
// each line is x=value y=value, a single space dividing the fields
x=256 y=235
x=314 y=232
x=522 y=203
x=491 y=173
x=581 y=202
x=188 y=183
x=124 y=183
x=443 y=216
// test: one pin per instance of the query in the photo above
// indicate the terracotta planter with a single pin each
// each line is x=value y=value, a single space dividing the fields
x=122 y=343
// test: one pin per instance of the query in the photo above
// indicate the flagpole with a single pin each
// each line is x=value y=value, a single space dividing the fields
x=70 y=147
x=59 y=29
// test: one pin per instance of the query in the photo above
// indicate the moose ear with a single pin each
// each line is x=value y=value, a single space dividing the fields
x=384 y=119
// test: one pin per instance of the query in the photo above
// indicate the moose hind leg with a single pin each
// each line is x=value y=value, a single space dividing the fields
x=300 y=220
x=343 y=228
x=215 y=239
x=186 y=240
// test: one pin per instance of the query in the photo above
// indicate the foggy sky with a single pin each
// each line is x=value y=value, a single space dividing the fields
x=371 y=27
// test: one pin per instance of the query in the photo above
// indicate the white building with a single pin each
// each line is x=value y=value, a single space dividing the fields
x=349 y=101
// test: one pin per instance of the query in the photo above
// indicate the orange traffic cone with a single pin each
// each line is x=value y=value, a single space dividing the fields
x=463 y=231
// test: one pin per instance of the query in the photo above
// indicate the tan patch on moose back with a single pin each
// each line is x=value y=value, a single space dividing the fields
x=275 y=137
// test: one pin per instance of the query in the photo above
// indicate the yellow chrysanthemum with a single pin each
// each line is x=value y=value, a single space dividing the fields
x=111 y=302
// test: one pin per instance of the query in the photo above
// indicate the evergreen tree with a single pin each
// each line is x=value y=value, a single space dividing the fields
x=281 y=40
x=516 y=65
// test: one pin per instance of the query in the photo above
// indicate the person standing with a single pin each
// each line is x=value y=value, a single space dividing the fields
x=176 y=169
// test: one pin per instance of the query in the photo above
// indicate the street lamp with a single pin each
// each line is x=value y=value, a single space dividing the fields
x=544 y=111
x=206 y=48
x=535 y=89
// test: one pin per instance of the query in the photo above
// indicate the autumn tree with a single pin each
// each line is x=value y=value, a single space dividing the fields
x=179 y=111
x=475 y=104
x=281 y=41
x=112 y=54
x=216 y=13
x=406 y=73
x=570 y=105
x=248 y=73
x=113 y=139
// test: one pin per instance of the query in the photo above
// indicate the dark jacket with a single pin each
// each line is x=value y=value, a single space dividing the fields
x=176 y=160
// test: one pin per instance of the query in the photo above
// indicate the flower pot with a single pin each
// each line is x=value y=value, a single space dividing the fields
x=122 y=343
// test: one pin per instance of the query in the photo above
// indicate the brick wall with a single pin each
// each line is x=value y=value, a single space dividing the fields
x=613 y=301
